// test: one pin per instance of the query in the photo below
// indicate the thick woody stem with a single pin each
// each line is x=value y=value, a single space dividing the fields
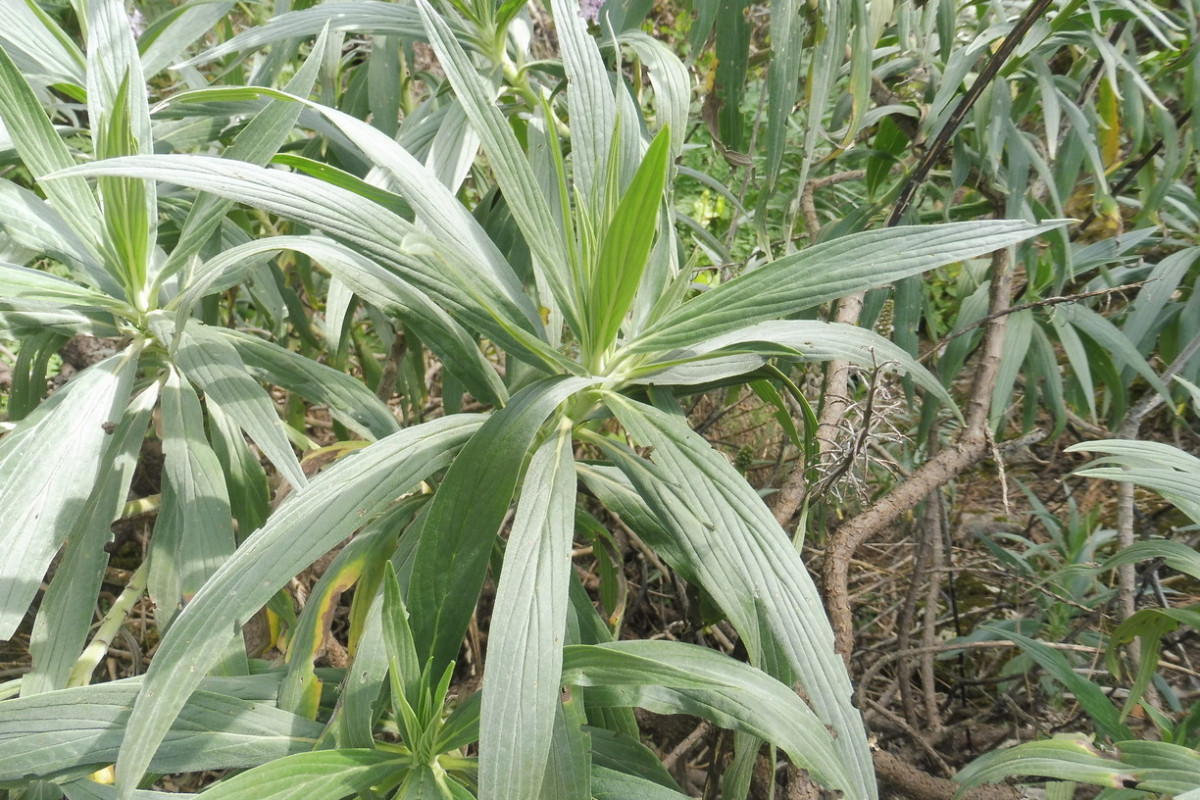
x=971 y=446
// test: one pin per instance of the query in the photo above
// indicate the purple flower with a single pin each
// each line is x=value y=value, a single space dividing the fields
x=590 y=9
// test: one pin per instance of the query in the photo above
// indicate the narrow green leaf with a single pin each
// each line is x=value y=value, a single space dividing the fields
x=403 y=663
x=21 y=283
x=728 y=692
x=35 y=41
x=65 y=614
x=1163 y=766
x=357 y=222
x=1176 y=555
x=612 y=784
x=1114 y=342
x=1146 y=310
x=569 y=767
x=465 y=515
x=299 y=690
x=245 y=478
x=35 y=224
x=76 y=731
x=525 y=642
x=783 y=80
x=590 y=102
x=1167 y=470
x=626 y=245
x=365 y=16
x=214 y=365
x=39 y=146
x=323 y=775
x=800 y=340
x=49 y=465
x=825 y=272
x=375 y=284
x=513 y=172
x=352 y=403
x=732 y=47
x=425 y=782
x=728 y=538
x=1064 y=758
x=831 y=33
x=118 y=106
x=670 y=80
x=627 y=755
x=465 y=245
x=1016 y=348
x=257 y=142
x=169 y=35
x=1090 y=695
x=86 y=789
x=193 y=533
x=308 y=523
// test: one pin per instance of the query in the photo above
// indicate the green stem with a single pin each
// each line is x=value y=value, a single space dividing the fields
x=81 y=673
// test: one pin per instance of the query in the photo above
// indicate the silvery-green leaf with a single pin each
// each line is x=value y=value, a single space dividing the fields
x=728 y=538
x=49 y=465
x=308 y=523
x=825 y=272
x=811 y=340
x=525 y=642
x=75 y=731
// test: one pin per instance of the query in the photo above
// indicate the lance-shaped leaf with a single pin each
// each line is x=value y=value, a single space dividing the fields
x=727 y=537
x=590 y=103
x=626 y=245
x=39 y=146
x=378 y=286
x=1176 y=555
x=357 y=222
x=801 y=340
x=35 y=224
x=118 y=107
x=323 y=775
x=1113 y=342
x=461 y=239
x=366 y=16
x=1171 y=472
x=1065 y=758
x=48 y=467
x=65 y=614
x=40 y=46
x=352 y=403
x=79 y=730
x=825 y=272
x=308 y=523
x=214 y=365
x=513 y=172
x=257 y=142
x=184 y=24
x=1090 y=695
x=678 y=678
x=1163 y=766
x=465 y=515
x=300 y=690
x=525 y=642
x=193 y=533
x=610 y=783
x=87 y=789
x=23 y=284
